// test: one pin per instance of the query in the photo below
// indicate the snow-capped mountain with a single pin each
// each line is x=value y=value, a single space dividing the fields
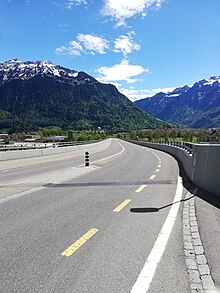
x=39 y=94
x=15 y=69
x=194 y=106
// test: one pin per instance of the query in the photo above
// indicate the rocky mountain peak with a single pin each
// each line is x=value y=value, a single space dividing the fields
x=16 y=69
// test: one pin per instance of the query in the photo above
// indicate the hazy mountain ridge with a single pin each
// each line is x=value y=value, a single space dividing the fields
x=196 y=106
x=39 y=94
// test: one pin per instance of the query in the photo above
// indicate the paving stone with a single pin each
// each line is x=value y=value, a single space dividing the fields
x=191 y=264
x=189 y=253
x=195 y=235
x=193 y=223
x=197 y=241
x=193 y=219
x=204 y=269
x=187 y=238
x=188 y=245
x=199 y=249
x=194 y=229
x=194 y=276
x=192 y=214
x=201 y=259
x=207 y=282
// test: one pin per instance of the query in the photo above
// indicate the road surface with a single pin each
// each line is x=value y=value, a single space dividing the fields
x=116 y=226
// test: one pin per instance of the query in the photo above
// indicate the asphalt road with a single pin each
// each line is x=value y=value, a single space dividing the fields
x=69 y=228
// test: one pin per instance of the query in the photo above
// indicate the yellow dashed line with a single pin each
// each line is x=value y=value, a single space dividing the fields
x=76 y=245
x=140 y=188
x=152 y=177
x=122 y=205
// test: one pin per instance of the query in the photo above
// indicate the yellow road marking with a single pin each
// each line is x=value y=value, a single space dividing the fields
x=76 y=245
x=157 y=170
x=140 y=188
x=152 y=177
x=158 y=166
x=122 y=205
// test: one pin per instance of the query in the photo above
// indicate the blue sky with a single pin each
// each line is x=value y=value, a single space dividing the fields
x=141 y=46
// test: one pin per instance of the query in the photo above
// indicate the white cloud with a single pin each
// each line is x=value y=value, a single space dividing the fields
x=87 y=44
x=93 y=43
x=125 y=44
x=120 y=10
x=135 y=94
x=71 y=3
x=120 y=72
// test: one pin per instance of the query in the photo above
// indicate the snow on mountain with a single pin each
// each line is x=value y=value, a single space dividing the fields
x=196 y=106
x=212 y=80
x=15 y=69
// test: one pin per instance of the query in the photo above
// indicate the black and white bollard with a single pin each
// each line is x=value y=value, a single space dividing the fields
x=86 y=159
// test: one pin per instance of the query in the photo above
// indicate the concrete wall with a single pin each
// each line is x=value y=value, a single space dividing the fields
x=206 y=167
x=21 y=154
x=202 y=167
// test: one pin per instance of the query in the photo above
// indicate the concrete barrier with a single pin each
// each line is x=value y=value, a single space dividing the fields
x=21 y=154
x=202 y=166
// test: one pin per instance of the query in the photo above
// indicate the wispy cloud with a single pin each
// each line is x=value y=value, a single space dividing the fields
x=120 y=72
x=120 y=10
x=84 y=44
x=92 y=44
x=125 y=44
x=135 y=94
x=70 y=3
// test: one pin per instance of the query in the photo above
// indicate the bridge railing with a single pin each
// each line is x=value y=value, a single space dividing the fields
x=187 y=146
x=32 y=146
x=201 y=162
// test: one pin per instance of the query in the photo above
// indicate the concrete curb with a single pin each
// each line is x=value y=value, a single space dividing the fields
x=196 y=262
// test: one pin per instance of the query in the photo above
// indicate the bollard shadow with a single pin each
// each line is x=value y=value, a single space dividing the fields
x=154 y=209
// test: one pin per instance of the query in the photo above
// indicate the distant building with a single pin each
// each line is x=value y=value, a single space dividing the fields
x=52 y=139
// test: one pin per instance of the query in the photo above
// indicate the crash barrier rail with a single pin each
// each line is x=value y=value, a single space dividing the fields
x=201 y=162
x=60 y=148
x=187 y=146
x=33 y=146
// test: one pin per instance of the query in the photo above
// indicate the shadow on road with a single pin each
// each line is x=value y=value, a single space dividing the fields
x=111 y=183
x=153 y=210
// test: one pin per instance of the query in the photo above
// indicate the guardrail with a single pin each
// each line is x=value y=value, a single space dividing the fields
x=201 y=162
x=25 y=152
x=187 y=146
x=44 y=145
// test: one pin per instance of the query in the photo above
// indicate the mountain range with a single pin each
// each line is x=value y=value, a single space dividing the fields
x=39 y=94
x=195 y=106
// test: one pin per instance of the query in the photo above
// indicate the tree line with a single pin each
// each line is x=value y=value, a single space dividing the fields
x=189 y=135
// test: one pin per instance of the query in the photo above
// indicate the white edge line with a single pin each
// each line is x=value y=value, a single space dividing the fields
x=123 y=149
x=145 y=278
x=20 y=194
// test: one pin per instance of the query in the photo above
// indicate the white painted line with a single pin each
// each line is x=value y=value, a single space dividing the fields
x=145 y=278
x=123 y=149
x=20 y=194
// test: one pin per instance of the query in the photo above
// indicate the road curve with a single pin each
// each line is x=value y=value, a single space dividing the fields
x=69 y=228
